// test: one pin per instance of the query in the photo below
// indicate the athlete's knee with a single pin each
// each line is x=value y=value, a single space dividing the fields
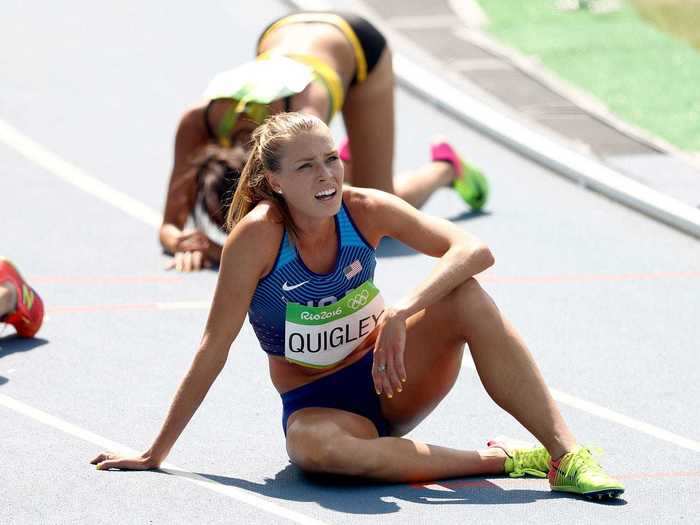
x=303 y=448
x=312 y=452
x=470 y=295
x=471 y=303
x=311 y=457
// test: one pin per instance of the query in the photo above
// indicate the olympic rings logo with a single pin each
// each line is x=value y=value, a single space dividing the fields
x=358 y=300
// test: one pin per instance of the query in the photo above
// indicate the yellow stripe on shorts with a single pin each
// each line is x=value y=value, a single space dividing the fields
x=325 y=73
x=327 y=18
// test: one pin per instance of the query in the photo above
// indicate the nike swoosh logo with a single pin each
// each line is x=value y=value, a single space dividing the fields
x=288 y=288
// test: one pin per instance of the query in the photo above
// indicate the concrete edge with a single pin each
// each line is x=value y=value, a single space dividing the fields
x=532 y=67
x=470 y=12
x=586 y=171
x=582 y=169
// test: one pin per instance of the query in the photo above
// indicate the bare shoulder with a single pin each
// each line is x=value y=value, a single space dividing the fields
x=192 y=127
x=255 y=240
x=373 y=211
x=191 y=135
x=369 y=200
x=193 y=115
x=356 y=200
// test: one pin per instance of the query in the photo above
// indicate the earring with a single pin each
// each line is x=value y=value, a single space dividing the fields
x=279 y=191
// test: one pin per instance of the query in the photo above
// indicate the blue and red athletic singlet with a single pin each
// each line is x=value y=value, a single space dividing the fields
x=316 y=319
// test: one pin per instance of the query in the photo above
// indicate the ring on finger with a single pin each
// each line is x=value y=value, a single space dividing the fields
x=381 y=368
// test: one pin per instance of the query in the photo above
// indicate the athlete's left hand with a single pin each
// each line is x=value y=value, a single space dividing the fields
x=388 y=371
x=189 y=262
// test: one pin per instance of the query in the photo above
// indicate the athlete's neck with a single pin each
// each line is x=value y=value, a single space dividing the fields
x=314 y=232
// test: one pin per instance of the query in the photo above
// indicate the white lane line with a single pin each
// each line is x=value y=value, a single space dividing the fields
x=72 y=174
x=469 y=12
x=615 y=417
x=106 y=444
x=621 y=419
x=438 y=487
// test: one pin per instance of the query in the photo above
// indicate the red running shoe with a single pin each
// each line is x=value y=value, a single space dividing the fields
x=29 y=313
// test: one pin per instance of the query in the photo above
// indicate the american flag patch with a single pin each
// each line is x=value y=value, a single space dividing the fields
x=353 y=269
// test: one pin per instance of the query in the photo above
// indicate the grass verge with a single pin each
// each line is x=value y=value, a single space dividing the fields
x=645 y=76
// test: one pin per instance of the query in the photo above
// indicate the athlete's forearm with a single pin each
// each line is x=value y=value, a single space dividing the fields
x=460 y=263
x=205 y=368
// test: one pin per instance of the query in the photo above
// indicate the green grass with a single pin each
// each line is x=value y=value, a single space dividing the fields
x=680 y=18
x=647 y=77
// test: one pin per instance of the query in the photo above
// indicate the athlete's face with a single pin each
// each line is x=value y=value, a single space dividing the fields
x=311 y=174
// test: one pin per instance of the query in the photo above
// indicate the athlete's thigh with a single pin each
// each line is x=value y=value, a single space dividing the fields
x=368 y=113
x=433 y=358
x=310 y=428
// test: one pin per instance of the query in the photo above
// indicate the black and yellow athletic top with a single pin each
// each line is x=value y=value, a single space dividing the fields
x=252 y=86
x=322 y=71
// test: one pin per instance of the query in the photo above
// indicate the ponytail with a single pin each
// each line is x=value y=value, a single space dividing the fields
x=269 y=140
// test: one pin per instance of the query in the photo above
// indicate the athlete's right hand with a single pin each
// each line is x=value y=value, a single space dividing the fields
x=191 y=240
x=107 y=460
x=190 y=252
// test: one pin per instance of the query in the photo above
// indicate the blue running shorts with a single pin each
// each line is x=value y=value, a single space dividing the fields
x=350 y=389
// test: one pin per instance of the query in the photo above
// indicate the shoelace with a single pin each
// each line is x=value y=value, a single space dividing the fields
x=538 y=456
x=583 y=461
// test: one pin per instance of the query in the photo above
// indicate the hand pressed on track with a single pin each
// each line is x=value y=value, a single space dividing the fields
x=188 y=262
x=107 y=461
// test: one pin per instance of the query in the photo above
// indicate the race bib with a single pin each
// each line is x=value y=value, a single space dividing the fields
x=320 y=337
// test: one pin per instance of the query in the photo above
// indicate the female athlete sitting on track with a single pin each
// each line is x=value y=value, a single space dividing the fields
x=319 y=64
x=355 y=374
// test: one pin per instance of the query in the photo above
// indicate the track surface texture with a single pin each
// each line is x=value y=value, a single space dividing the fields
x=606 y=298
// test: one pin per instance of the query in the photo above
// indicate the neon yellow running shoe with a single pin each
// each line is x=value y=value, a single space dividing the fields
x=579 y=473
x=523 y=458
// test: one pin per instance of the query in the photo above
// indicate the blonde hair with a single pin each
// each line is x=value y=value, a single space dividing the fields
x=268 y=143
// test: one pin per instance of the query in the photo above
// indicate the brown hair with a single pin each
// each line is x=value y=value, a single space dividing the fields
x=216 y=178
x=268 y=142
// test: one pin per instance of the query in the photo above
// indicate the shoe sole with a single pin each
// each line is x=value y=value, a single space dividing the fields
x=603 y=494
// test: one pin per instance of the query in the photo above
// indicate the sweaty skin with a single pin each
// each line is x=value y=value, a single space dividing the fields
x=417 y=345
